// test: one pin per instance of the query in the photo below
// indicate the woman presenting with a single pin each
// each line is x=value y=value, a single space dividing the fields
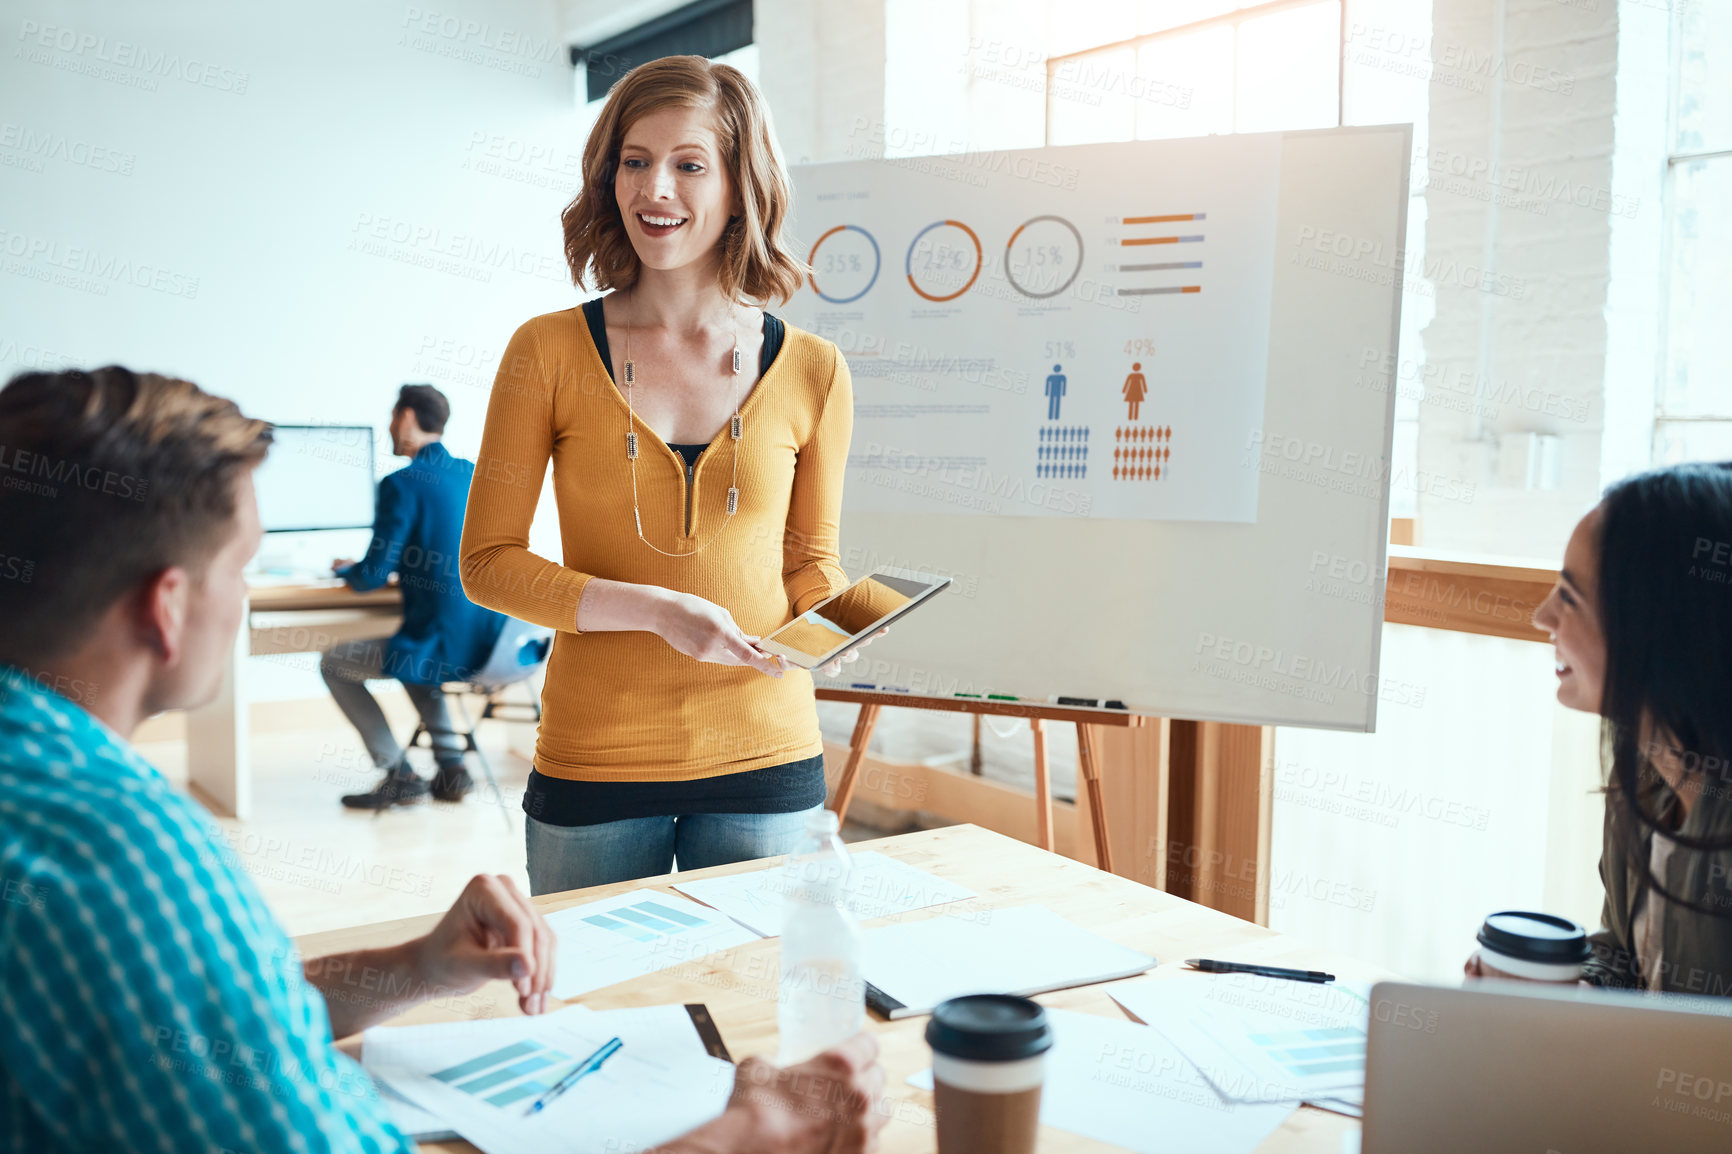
x=698 y=446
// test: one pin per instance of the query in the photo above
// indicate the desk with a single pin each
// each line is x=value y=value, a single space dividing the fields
x=278 y=618
x=739 y=985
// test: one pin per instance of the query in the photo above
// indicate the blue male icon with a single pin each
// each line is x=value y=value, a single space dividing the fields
x=1054 y=392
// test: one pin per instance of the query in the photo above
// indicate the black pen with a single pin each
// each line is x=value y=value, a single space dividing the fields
x=1211 y=966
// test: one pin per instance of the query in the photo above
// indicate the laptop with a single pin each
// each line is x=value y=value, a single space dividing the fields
x=1514 y=1066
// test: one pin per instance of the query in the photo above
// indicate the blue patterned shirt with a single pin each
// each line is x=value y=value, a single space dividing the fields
x=148 y=999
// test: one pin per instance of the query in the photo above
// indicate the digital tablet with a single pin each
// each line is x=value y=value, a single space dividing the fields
x=833 y=626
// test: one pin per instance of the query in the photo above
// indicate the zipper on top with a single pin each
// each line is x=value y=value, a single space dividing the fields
x=691 y=473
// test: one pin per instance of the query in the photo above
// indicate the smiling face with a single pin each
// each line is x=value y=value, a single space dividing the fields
x=673 y=190
x=1571 y=614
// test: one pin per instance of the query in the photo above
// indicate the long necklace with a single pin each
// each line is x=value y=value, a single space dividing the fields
x=735 y=428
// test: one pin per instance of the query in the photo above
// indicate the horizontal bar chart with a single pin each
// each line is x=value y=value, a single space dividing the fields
x=1131 y=240
x=1160 y=266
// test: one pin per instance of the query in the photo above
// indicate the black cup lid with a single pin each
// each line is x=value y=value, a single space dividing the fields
x=1535 y=937
x=989 y=1028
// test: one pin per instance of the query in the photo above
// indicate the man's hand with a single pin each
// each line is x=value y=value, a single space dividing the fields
x=828 y=1104
x=341 y=564
x=492 y=931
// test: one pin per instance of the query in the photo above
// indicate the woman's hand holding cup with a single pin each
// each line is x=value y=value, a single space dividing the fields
x=1533 y=947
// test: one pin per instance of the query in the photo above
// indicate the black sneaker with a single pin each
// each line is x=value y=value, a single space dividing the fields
x=452 y=783
x=398 y=788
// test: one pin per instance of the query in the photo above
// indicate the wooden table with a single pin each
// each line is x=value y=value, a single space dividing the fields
x=739 y=985
x=306 y=617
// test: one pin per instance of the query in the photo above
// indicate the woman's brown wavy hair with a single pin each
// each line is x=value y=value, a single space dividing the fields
x=755 y=263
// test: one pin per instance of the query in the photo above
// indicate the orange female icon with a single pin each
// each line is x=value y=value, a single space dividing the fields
x=1136 y=388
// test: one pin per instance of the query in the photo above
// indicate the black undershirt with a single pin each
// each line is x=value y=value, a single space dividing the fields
x=786 y=788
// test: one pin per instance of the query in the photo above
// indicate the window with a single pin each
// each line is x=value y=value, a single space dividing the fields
x=1173 y=68
x=710 y=28
x=1693 y=421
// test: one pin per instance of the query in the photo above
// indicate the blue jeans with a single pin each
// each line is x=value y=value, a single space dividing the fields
x=572 y=857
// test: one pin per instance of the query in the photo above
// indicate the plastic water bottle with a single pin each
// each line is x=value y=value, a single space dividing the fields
x=822 y=999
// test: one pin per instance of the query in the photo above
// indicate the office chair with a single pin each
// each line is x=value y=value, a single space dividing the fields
x=521 y=650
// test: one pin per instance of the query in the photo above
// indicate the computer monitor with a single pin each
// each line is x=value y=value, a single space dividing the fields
x=317 y=477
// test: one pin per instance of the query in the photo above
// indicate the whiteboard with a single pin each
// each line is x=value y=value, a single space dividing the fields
x=1169 y=595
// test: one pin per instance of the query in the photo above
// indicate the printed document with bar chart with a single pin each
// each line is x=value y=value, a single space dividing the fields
x=481 y=1078
x=1261 y=1039
x=632 y=934
x=1053 y=332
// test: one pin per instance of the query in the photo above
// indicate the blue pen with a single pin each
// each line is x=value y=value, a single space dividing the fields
x=588 y=1066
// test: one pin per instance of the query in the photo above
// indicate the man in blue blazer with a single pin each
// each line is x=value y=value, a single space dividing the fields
x=417 y=528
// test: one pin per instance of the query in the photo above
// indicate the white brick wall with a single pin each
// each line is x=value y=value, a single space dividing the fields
x=822 y=71
x=1528 y=93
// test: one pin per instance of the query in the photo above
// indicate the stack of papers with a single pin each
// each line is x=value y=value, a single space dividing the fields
x=878 y=886
x=633 y=934
x=1024 y=950
x=479 y=1079
x=1260 y=1039
x=1119 y=1082
x=637 y=933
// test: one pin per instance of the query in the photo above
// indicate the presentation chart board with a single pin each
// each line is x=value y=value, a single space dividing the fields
x=1138 y=401
x=1049 y=351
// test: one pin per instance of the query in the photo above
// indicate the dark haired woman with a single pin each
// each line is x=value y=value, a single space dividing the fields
x=1642 y=620
x=698 y=446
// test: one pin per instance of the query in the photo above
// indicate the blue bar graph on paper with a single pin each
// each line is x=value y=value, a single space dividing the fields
x=648 y=920
x=1308 y=1053
x=619 y=927
x=487 y=1061
x=523 y=1090
x=672 y=915
x=504 y=1076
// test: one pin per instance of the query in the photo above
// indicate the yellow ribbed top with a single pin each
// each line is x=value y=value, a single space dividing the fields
x=627 y=706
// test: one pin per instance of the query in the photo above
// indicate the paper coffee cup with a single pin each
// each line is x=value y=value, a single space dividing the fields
x=1537 y=947
x=988 y=1064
